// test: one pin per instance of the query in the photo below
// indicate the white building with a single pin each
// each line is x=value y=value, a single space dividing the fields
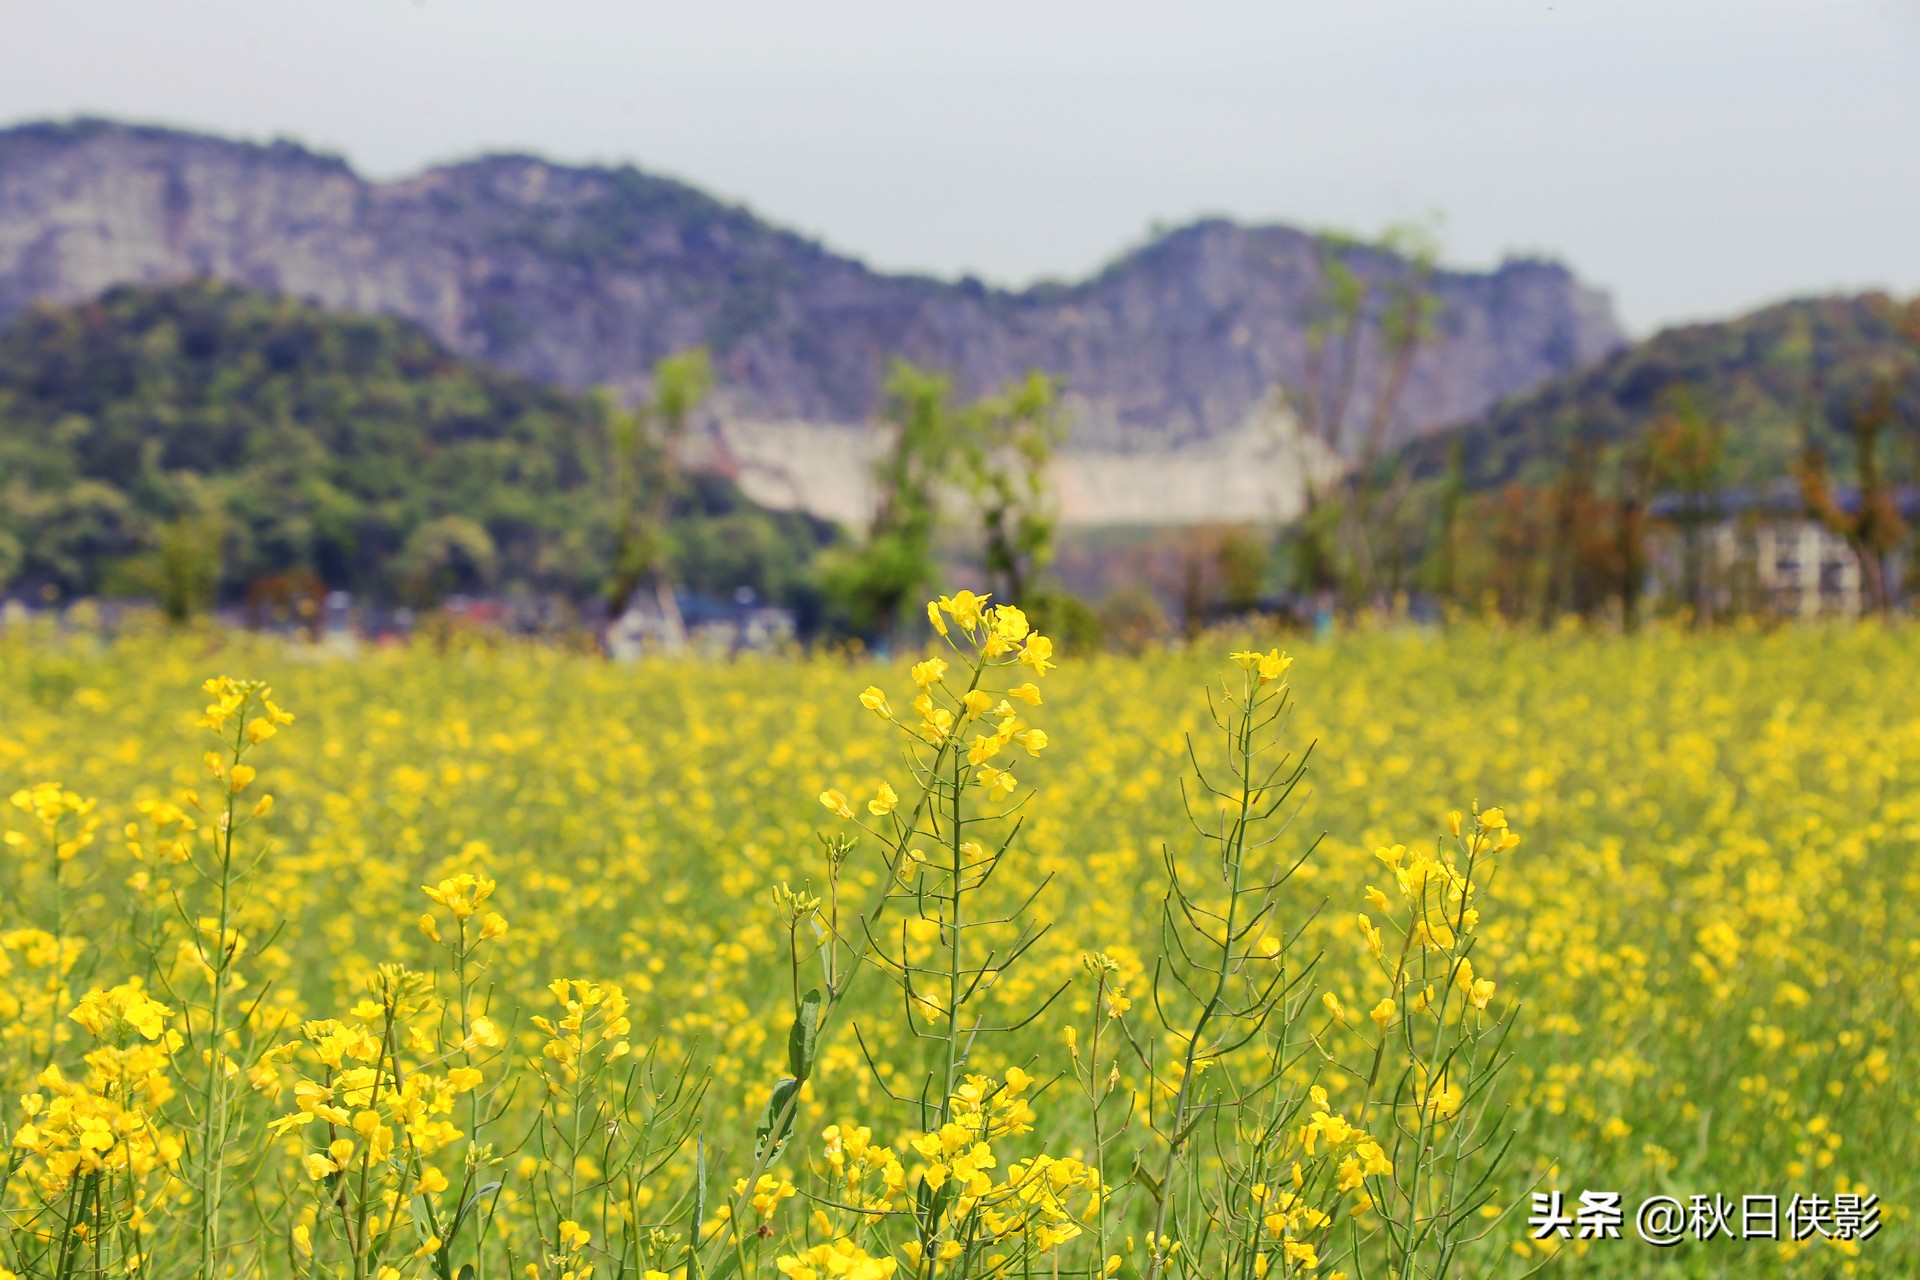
x=1758 y=551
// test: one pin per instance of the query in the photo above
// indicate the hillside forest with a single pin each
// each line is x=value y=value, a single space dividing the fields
x=206 y=445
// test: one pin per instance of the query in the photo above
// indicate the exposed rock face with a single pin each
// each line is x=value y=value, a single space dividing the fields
x=1251 y=474
x=585 y=276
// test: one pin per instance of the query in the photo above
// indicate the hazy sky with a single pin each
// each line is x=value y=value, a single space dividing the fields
x=1695 y=159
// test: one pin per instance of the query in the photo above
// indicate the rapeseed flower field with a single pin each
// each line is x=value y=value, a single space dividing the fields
x=508 y=961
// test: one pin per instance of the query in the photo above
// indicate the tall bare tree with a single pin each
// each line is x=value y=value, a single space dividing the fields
x=1633 y=490
x=1872 y=526
x=1340 y=548
x=646 y=472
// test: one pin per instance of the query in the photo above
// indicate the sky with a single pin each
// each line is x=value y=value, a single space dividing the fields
x=1693 y=159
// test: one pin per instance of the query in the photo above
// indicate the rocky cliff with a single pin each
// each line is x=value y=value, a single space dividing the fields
x=586 y=276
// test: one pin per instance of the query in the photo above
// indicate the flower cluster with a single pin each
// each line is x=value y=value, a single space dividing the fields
x=996 y=636
x=1265 y=668
x=594 y=1025
x=106 y=1122
x=567 y=1260
x=770 y=1191
x=97 y=1153
x=173 y=833
x=463 y=895
x=232 y=698
x=1361 y=1155
x=1289 y=1221
x=840 y=1260
x=1039 y=1203
x=1043 y=1202
x=66 y=819
x=1436 y=892
x=361 y=1095
x=864 y=1176
x=375 y=1121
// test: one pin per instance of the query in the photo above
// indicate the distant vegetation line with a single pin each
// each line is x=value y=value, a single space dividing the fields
x=203 y=442
x=1780 y=378
x=205 y=438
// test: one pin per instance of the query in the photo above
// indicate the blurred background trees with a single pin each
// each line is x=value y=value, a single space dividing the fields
x=1362 y=340
x=647 y=479
x=191 y=442
x=870 y=583
x=205 y=446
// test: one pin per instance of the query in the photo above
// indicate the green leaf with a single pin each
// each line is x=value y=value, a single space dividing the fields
x=804 y=1036
x=694 y=1269
x=766 y=1141
x=1147 y=1180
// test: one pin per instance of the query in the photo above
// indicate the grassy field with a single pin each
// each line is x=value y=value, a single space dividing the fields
x=1705 y=944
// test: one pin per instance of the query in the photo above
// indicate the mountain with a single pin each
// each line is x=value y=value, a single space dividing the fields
x=582 y=277
x=293 y=449
x=1764 y=377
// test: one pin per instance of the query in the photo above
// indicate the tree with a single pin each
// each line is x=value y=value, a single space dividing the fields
x=1319 y=403
x=74 y=537
x=327 y=441
x=1634 y=471
x=180 y=565
x=1242 y=559
x=1444 y=579
x=1571 y=501
x=1198 y=557
x=872 y=582
x=1910 y=331
x=444 y=556
x=1006 y=446
x=187 y=557
x=1687 y=448
x=12 y=555
x=1342 y=550
x=647 y=478
x=1514 y=519
x=1872 y=526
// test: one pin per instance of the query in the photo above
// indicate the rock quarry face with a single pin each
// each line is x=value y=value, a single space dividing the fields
x=585 y=277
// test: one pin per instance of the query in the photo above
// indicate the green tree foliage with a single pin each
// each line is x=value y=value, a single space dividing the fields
x=871 y=583
x=1688 y=447
x=1547 y=504
x=993 y=454
x=1242 y=560
x=1007 y=444
x=1753 y=374
x=187 y=561
x=353 y=449
x=646 y=475
x=1872 y=525
x=1359 y=331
